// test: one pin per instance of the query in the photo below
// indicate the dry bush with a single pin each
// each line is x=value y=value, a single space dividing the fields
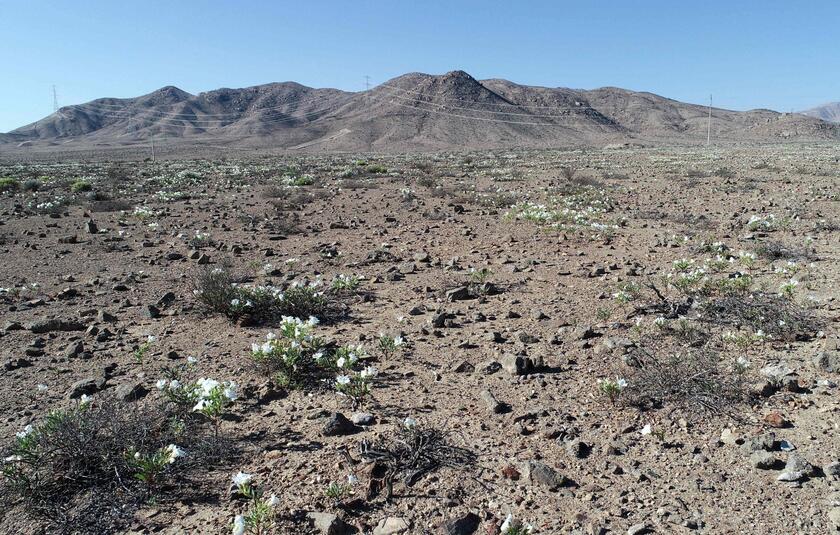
x=413 y=451
x=284 y=223
x=776 y=250
x=75 y=470
x=219 y=291
x=427 y=182
x=694 y=380
x=775 y=315
x=568 y=172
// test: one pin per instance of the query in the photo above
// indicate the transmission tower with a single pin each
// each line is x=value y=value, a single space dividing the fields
x=709 y=124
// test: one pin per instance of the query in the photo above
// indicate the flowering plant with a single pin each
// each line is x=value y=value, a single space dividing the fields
x=291 y=351
x=259 y=519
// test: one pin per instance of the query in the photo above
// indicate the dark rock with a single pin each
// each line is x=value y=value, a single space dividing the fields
x=338 y=425
x=463 y=525
x=540 y=473
x=54 y=324
x=130 y=391
x=85 y=386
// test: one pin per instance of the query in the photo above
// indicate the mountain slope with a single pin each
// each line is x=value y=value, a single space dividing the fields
x=827 y=112
x=414 y=111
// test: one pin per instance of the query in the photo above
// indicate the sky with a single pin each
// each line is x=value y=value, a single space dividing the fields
x=781 y=55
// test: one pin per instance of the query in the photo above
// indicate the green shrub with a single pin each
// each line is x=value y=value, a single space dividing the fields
x=9 y=184
x=80 y=186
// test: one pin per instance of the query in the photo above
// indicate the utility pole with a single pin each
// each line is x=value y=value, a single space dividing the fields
x=709 y=125
x=153 y=149
x=55 y=100
x=367 y=89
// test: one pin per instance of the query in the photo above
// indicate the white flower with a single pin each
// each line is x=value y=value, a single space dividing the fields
x=273 y=501
x=352 y=479
x=234 y=302
x=370 y=371
x=341 y=362
x=230 y=391
x=26 y=432
x=239 y=525
x=621 y=383
x=409 y=422
x=342 y=380
x=646 y=430
x=174 y=452
x=241 y=479
x=510 y=524
x=398 y=341
x=200 y=405
x=150 y=339
x=42 y=388
x=192 y=360
x=161 y=384
x=85 y=400
x=743 y=362
x=313 y=321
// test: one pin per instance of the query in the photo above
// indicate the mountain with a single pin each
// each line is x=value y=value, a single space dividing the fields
x=827 y=112
x=414 y=111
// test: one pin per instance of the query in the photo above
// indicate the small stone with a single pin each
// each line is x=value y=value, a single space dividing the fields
x=85 y=387
x=458 y=294
x=362 y=418
x=328 y=523
x=775 y=419
x=728 y=437
x=763 y=460
x=516 y=364
x=74 y=349
x=391 y=526
x=464 y=525
x=796 y=468
x=130 y=391
x=493 y=404
x=638 y=529
x=337 y=425
x=832 y=469
x=541 y=474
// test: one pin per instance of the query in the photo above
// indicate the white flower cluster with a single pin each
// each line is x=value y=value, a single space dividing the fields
x=143 y=212
x=205 y=395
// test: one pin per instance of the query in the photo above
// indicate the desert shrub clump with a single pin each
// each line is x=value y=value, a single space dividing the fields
x=218 y=290
x=296 y=358
x=9 y=184
x=696 y=380
x=106 y=457
x=80 y=186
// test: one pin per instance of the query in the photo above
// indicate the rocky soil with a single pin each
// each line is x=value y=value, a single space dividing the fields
x=508 y=323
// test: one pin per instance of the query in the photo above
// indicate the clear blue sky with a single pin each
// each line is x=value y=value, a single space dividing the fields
x=760 y=53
